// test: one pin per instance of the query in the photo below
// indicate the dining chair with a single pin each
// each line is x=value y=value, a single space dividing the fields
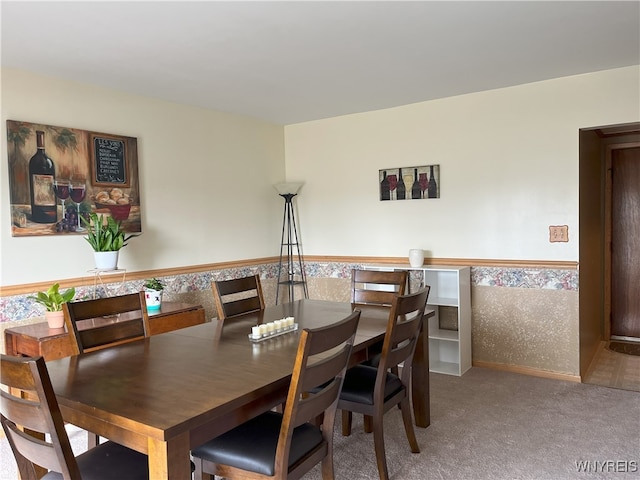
x=377 y=287
x=287 y=445
x=97 y=332
x=372 y=391
x=29 y=407
x=237 y=296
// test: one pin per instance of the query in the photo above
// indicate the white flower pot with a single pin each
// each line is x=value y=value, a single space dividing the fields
x=106 y=260
x=153 y=298
x=416 y=257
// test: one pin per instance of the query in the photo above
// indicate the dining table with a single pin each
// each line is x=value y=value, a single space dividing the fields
x=166 y=394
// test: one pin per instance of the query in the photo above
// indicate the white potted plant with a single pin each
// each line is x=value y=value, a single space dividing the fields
x=106 y=238
x=52 y=300
x=153 y=293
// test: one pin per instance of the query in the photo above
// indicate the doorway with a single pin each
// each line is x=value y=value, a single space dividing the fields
x=600 y=148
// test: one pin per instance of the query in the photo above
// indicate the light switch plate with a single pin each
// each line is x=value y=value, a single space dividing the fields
x=558 y=233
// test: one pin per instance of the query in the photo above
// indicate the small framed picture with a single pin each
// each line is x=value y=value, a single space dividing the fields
x=410 y=183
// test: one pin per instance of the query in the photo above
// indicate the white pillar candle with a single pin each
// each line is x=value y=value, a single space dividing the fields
x=290 y=321
x=263 y=329
x=255 y=331
x=271 y=327
x=278 y=324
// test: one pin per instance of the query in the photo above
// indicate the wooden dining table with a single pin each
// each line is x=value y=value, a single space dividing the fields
x=169 y=393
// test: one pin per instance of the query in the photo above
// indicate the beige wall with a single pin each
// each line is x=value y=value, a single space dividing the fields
x=204 y=176
x=508 y=162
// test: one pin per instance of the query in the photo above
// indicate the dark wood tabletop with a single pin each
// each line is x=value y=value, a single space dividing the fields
x=171 y=392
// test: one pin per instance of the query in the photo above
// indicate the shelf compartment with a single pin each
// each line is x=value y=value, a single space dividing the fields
x=446 y=335
x=446 y=368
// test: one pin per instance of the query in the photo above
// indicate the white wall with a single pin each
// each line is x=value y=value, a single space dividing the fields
x=206 y=180
x=508 y=169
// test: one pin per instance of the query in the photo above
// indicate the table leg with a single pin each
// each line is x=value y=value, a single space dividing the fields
x=170 y=460
x=420 y=380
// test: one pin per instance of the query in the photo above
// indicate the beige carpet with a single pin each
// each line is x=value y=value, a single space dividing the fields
x=490 y=424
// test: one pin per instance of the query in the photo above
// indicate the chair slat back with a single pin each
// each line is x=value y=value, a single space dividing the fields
x=403 y=329
x=28 y=402
x=87 y=321
x=237 y=296
x=374 y=287
x=322 y=359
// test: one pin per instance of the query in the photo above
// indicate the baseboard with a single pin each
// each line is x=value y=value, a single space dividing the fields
x=534 y=372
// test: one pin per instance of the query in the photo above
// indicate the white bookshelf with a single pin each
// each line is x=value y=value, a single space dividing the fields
x=450 y=327
x=449 y=349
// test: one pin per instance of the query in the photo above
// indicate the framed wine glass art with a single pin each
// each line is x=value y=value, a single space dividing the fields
x=59 y=174
x=409 y=183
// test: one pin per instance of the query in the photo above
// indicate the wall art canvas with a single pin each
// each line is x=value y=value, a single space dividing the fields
x=410 y=183
x=58 y=174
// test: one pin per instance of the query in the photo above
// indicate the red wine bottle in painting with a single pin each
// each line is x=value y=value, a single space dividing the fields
x=401 y=190
x=42 y=173
x=415 y=188
x=385 y=192
x=432 y=189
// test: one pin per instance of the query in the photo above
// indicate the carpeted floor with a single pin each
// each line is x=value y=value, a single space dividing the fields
x=490 y=424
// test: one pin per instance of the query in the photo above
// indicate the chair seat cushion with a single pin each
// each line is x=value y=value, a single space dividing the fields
x=109 y=461
x=252 y=445
x=359 y=383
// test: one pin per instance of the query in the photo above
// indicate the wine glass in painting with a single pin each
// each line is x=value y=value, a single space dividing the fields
x=424 y=183
x=61 y=189
x=393 y=181
x=77 y=193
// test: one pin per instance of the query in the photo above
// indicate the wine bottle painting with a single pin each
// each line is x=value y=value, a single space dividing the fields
x=409 y=183
x=59 y=174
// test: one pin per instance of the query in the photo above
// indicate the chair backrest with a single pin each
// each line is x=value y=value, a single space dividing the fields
x=237 y=296
x=92 y=326
x=375 y=287
x=320 y=365
x=401 y=337
x=29 y=402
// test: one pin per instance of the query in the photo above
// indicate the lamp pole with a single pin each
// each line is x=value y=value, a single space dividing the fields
x=289 y=241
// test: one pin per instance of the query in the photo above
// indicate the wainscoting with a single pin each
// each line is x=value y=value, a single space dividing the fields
x=523 y=316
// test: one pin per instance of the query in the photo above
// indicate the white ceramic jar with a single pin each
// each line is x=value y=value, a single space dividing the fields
x=416 y=257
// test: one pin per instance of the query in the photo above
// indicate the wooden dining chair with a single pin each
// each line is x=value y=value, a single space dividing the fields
x=34 y=427
x=105 y=322
x=372 y=391
x=287 y=445
x=376 y=287
x=237 y=296
x=96 y=319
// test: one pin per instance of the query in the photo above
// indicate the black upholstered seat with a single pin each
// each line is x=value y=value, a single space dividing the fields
x=108 y=460
x=359 y=384
x=231 y=447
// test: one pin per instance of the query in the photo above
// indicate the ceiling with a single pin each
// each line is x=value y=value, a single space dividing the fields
x=290 y=62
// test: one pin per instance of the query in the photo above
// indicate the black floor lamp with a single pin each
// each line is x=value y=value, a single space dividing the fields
x=294 y=273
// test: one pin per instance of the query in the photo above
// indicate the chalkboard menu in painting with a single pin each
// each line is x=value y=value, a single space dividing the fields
x=110 y=162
